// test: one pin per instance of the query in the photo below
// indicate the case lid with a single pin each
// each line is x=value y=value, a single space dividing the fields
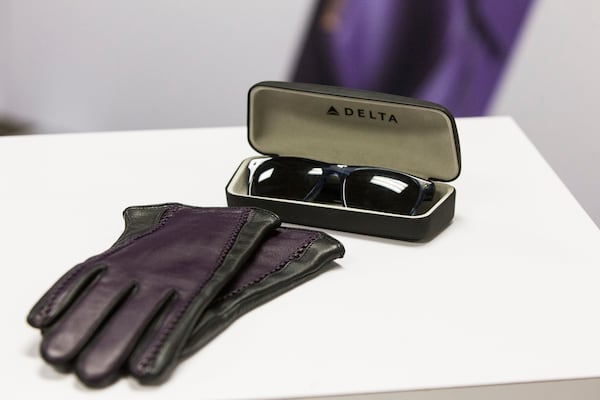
x=353 y=127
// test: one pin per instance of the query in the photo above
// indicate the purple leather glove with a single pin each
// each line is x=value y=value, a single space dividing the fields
x=287 y=258
x=138 y=302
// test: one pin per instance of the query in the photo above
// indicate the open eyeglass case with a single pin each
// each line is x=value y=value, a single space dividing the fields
x=356 y=128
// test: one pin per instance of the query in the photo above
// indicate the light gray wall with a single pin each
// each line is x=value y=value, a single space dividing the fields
x=4 y=56
x=552 y=89
x=136 y=64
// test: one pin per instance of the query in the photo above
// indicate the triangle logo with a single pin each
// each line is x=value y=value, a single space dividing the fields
x=332 y=111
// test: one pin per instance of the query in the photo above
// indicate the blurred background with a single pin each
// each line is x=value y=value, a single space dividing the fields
x=71 y=66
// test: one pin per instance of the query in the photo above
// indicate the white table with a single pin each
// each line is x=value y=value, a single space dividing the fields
x=508 y=293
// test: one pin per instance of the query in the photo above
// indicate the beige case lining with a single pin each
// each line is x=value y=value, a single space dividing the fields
x=417 y=140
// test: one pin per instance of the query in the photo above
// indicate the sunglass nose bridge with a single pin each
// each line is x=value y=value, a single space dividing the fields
x=341 y=170
x=328 y=188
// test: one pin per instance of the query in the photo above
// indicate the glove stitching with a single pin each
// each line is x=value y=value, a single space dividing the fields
x=146 y=362
x=47 y=309
x=299 y=251
x=168 y=214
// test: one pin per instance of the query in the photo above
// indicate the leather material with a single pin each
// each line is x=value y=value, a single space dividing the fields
x=138 y=302
x=287 y=258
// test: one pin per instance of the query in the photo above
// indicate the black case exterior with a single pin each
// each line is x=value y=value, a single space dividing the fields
x=423 y=226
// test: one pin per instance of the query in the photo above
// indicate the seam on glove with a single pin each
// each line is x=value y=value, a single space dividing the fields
x=146 y=362
x=297 y=254
x=47 y=309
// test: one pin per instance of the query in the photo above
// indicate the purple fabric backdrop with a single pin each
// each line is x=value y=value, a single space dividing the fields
x=451 y=52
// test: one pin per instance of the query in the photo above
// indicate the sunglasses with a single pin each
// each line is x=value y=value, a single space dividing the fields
x=368 y=188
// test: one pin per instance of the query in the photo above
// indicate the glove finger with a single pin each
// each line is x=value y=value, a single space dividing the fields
x=65 y=339
x=62 y=294
x=100 y=362
x=150 y=356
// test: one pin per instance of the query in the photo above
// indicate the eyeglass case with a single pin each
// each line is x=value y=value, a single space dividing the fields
x=353 y=127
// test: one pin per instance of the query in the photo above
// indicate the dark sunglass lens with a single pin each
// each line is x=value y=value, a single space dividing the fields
x=382 y=191
x=285 y=178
